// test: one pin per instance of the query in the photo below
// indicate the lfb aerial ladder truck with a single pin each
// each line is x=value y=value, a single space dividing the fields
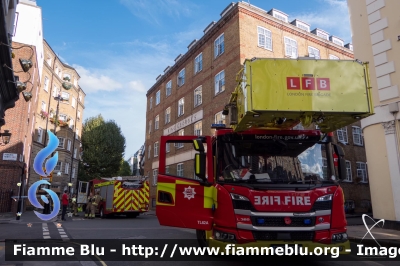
x=270 y=178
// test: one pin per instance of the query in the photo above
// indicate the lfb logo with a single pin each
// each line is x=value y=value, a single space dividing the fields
x=308 y=83
x=38 y=167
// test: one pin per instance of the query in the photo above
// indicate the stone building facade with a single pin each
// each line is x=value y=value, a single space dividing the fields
x=191 y=94
x=20 y=121
x=60 y=109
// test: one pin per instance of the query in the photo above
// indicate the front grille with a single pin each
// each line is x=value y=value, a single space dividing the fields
x=322 y=205
x=280 y=221
x=242 y=205
x=284 y=235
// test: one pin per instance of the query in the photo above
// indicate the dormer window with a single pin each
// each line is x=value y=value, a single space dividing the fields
x=336 y=40
x=321 y=33
x=349 y=46
x=279 y=15
x=301 y=25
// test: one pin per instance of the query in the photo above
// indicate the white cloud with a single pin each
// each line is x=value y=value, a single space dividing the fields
x=91 y=81
x=137 y=86
x=333 y=17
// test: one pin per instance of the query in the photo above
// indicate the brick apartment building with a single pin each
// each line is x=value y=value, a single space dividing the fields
x=20 y=122
x=190 y=95
x=59 y=88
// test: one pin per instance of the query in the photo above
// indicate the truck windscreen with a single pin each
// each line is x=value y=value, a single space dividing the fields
x=281 y=159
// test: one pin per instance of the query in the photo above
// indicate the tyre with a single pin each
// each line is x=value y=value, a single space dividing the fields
x=102 y=215
x=201 y=238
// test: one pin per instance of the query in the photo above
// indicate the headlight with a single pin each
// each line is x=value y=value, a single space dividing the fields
x=238 y=197
x=342 y=237
x=222 y=236
x=325 y=198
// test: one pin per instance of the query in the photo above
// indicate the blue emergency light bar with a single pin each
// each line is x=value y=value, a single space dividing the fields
x=218 y=126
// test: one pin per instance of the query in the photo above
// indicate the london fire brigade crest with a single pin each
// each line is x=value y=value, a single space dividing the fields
x=189 y=193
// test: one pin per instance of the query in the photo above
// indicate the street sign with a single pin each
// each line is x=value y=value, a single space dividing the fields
x=10 y=156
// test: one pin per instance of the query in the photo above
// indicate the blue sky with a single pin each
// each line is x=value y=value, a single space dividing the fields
x=119 y=47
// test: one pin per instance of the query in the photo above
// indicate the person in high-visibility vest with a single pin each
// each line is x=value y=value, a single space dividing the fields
x=95 y=203
x=74 y=205
x=88 y=205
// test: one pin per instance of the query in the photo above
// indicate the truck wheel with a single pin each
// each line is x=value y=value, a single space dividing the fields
x=102 y=216
x=201 y=238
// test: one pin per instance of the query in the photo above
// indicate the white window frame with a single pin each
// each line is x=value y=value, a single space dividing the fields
x=179 y=169
x=73 y=102
x=149 y=155
x=322 y=35
x=61 y=142
x=357 y=132
x=155 y=175
x=181 y=107
x=150 y=125
x=362 y=171
x=219 y=45
x=62 y=117
x=168 y=88
x=75 y=151
x=342 y=135
x=71 y=123
x=181 y=78
x=349 y=176
x=43 y=107
x=264 y=38
x=58 y=167
x=167 y=147
x=179 y=145
x=291 y=47
x=198 y=96
x=69 y=143
x=40 y=135
x=167 y=169
x=222 y=118
x=219 y=82
x=314 y=52
x=156 y=149
x=55 y=91
x=77 y=133
x=73 y=173
x=157 y=122
x=333 y=57
x=198 y=63
x=167 y=115
x=66 y=168
x=158 y=97
x=79 y=115
x=46 y=84
x=65 y=96
x=198 y=128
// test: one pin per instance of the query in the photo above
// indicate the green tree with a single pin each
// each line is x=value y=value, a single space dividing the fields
x=103 y=148
x=125 y=169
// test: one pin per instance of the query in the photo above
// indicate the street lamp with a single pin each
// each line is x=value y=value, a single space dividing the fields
x=6 y=136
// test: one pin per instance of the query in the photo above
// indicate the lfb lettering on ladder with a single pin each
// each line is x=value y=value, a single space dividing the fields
x=308 y=83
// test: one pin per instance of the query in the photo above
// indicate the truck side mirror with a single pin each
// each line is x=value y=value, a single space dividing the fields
x=198 y=145
x=200 y=165
x=341 y=161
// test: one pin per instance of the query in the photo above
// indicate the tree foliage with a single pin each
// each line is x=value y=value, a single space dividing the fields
x=125 y=169
x=103 y=148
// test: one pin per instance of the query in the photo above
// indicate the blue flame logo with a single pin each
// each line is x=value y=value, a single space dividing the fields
x=38 y=167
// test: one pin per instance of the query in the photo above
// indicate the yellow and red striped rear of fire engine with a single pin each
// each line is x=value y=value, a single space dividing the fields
x=129 y=199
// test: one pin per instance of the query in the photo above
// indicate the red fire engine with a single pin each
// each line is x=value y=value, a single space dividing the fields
x=128 y=196
x=270 y=179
